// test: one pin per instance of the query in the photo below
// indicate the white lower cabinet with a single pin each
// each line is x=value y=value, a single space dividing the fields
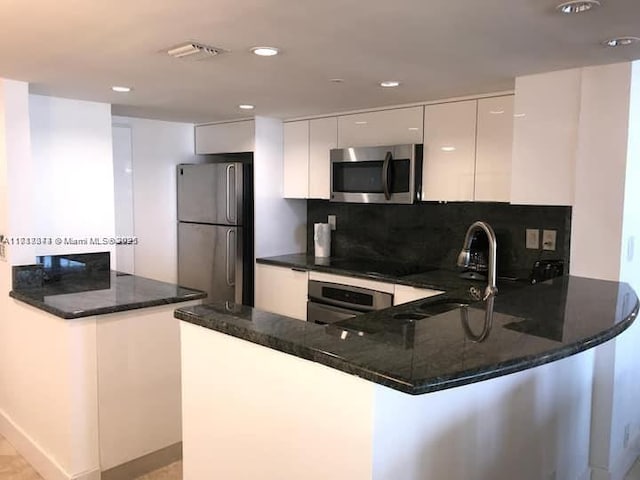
x=281 y=290
x=284 y=291
x=405 y=294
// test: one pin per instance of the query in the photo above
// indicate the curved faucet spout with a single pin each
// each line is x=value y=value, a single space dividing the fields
x=465 y=255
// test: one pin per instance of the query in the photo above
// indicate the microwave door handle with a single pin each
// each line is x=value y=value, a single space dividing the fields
x=385 y=175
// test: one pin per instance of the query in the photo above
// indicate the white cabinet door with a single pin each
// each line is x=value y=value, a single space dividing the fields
x=281 y=290
x=545 y=138
x=225 y=137
x=386 y=127
x=493 y=149
x=406 y=294
x=449 y=151
x=323 y=136
x=296 y=159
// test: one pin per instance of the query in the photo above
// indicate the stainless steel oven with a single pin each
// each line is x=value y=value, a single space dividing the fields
x=331 y=302
x=391 y=174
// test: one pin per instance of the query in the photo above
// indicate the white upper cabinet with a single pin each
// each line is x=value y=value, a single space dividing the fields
x=225 y=137
x=449 y=151
x=323 y=136
x=493 y=149
x=306 y=157
x=296 y=159
x=386 y=127
x=545 y=138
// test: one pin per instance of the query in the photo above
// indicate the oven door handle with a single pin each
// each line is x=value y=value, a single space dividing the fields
x=385 y=175
x=327 y=314
x=339 y=304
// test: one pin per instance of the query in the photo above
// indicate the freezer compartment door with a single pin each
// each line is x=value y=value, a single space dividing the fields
x=210 y=193
x=210 y=259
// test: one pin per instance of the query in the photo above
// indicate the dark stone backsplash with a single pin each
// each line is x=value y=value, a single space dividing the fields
x=432 y=233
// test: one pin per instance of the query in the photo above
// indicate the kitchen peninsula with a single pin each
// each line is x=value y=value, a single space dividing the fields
x=301 y=400
x=103 y=352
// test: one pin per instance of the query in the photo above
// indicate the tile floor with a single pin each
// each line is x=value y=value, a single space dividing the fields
x=14 y=467
x=634 y=473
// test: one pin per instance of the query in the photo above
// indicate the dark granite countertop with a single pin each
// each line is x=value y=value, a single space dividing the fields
x=114 y=292
x=421 y=276
x=403 y=349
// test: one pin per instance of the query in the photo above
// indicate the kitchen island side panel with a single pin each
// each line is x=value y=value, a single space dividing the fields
x=252 y=412
x=529 y=425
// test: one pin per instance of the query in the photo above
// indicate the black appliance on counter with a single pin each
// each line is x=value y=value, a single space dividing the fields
x=479 y=257
x=546 y=269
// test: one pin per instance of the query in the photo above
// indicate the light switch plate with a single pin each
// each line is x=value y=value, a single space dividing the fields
x=331 y=220
x=548 y=239
x=533 y=238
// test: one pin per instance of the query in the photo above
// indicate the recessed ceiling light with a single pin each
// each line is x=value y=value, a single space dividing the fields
x=577 y=6
x=519 y=115
x=448 y=148
x=336 y=80
x=389 y=84
x=620 y=41
x=496 y=112
x=121 y=89
x=246 y=106
x=361 y=122
x=265 y=51
x=413 y=128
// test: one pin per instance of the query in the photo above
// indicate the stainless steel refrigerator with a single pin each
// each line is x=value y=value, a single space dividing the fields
x=215 y=230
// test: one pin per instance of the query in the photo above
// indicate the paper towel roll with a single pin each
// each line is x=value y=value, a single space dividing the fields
x=322 y=239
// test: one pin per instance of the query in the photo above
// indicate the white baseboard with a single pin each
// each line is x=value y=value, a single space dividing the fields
x=46 y=466
x=621 y=465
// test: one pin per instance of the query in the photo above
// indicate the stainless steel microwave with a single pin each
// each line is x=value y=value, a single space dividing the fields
x=391 y=174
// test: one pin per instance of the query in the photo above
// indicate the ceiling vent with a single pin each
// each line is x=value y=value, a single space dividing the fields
x=194 y=51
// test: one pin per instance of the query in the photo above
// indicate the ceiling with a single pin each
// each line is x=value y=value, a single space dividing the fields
x=436 y=48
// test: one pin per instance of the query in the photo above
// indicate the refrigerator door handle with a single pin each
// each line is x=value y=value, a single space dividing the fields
x=231 y=180
x=230 y=280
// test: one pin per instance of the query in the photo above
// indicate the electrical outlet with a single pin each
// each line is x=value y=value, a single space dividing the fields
x=331 y=220
x=548 y=239
x=627 y=429
x=533 y=238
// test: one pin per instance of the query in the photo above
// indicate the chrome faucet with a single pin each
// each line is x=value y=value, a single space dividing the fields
x=464 y=257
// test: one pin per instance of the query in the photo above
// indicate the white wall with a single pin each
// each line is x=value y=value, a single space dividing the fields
x=596 y=224
x=280 y=224
x=604 y=223
x=73 y=172
x=16 y=216
x=157 y=147
x=123 y=193
x=625 y=393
